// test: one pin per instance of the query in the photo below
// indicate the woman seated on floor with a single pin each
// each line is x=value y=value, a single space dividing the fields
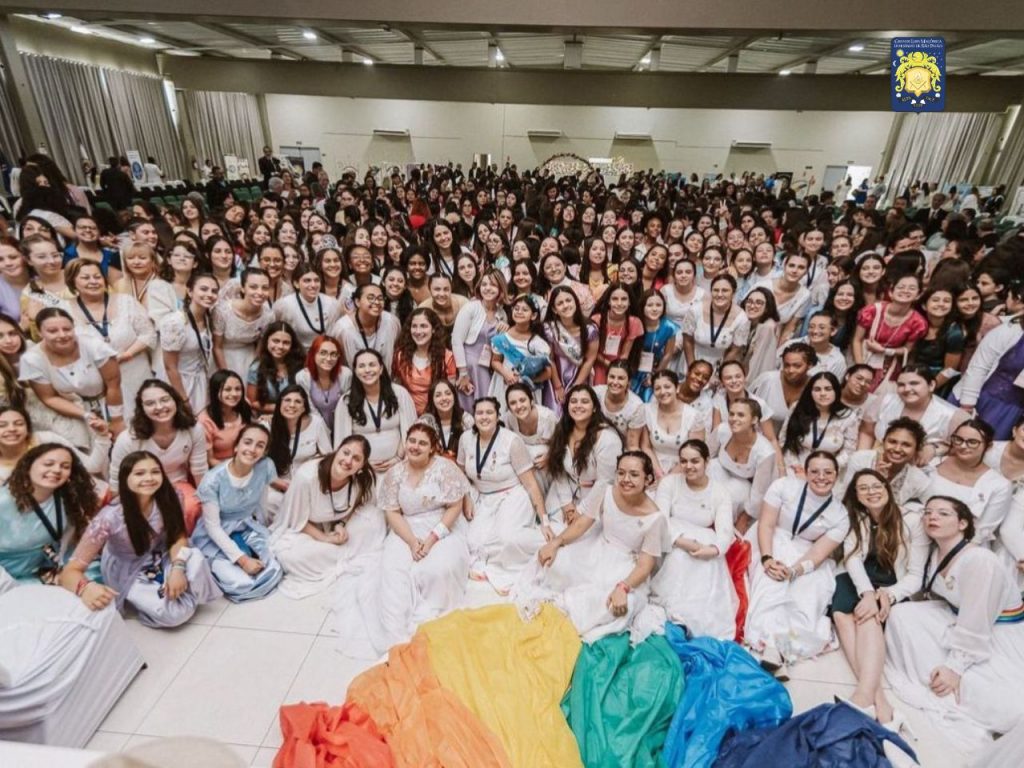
x=146 y=561
x=328 y=520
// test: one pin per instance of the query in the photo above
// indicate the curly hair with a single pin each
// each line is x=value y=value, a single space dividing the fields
x=78 y=494
x=142 y=425
x=266 y=366
x=405 y=347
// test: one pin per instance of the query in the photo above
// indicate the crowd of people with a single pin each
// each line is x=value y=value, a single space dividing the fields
x=648 y=400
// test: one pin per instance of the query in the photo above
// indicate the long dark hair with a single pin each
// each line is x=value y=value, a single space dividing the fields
x=280 y=448
x=364 y=479
x=457 y=412
x=805 y=412
x=551 y=318
x=405 y=305
x=143 y=428
x=166 y=500
x=78 y=494
x=559 y=443
x=357 y=396
x=266 y=366
x=405 y=347
x=215 y=409
x=887 y=537
x=603 y=309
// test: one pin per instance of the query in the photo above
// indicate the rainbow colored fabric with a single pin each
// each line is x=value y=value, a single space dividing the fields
x=481 y=688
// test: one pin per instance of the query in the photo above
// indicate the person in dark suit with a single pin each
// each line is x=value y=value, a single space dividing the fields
x=217 y=189
x=931 y=217
x=116 y=185
x=269 y=165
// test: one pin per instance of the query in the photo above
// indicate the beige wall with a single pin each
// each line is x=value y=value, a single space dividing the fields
x=49 y=40
x=692 y=140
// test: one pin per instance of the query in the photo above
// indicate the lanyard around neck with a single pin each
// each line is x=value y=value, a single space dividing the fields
x=797 y=527
x=481 y=462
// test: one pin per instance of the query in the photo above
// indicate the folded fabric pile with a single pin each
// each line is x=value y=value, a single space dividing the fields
x=483 y=689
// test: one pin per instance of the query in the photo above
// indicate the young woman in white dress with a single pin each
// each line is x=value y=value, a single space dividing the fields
x=668 y=423
x=681 y=295
x=960 y=657
x=239 y=323
x=792 y=299
x=116 y=319
x=792 y=577
x=732 y=375
x=297 y=435
x=533 y=422
x=914 y=398
x=964 y=475
x=620 y=405
x=745 y=462
x=310 y=312
x=424 y=566
x=895 y=460
x=582 y=453
x=884 y=556
x=444 y=407
x=716 y=329
x=819 y=421
x=601 y=581
x=1007 y=457
x=329 y=522
x=693 y=586
x=186 y=341
x=368 y=327
x=506 y=504
x=381 y=411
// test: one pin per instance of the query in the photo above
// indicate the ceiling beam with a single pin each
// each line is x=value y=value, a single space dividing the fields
x=654 y=43
x=345 y=41
x=1011 y=62
x=416 y=38
x=957 y=45
x=738 y=44
x=165 y=41
x=818 y=53
x=250 y=41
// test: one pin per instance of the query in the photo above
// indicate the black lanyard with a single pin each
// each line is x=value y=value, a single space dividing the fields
x=104 y=326
x=721 y=326
x=926 y=583
x=56 y=533
x=203 y=349
x=797 y=528
x=379 y=414
x=443 y=265
x=295 y=440
x=348 y=502
x=815 y=437
x=482 y=462
x=376 y=330
x=812 y=271
x=320 y=312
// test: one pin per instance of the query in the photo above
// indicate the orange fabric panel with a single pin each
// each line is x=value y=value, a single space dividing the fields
x=321 y=736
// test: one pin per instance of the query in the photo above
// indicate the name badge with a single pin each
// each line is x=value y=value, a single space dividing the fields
x=646 y=362
x=611 y=345
x=484 y=361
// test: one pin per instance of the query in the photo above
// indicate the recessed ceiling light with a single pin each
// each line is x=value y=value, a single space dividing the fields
x=147 y=40
x=857 y=48
x=784 y=72
x=81 y=30
x=367 y=61
x=309 y=34
x=53 y=15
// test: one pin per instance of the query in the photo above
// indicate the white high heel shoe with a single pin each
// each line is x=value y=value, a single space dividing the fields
x=900 y=725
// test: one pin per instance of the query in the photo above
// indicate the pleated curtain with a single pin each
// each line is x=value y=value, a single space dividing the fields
x=225 y=123
x=941 y=148
x=71 y=102
x=12 y=143
x=1009 y=167
x=140 y=119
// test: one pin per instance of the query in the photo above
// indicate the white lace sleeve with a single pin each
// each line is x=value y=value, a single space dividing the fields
x=690 y=320
x=518 y=454
x=1011 y=532
x=173 y=332
x=387 y=496
x=451 y=481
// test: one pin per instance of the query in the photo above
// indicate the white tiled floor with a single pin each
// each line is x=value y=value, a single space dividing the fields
x=225 y=674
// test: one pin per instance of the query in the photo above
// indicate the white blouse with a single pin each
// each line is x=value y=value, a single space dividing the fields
x=630 y=414
x=786 y=493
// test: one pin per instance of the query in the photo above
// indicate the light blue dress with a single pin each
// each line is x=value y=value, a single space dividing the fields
x=24 y=540
x=228 y=529
x=653 y=342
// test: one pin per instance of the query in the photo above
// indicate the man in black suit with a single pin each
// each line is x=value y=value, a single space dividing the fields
x=269 y=165
x=116 y=185
x=217 y=189
x=931 y=218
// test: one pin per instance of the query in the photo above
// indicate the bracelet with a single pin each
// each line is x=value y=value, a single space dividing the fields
x=766 y=559
x=441 y=531
x=806 y=566
x=178 y=567
x=180 y=561
x=625 y=587
x=115 y=411
x=82 y=584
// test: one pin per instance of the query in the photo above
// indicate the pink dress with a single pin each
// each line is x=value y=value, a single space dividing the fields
x=907 y=333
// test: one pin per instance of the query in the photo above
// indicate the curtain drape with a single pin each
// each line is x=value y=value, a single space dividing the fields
x=225 y=124
x=1009 y=168
x=941 y=148
x=73 y=108
x=12 y=143
x=140 y=119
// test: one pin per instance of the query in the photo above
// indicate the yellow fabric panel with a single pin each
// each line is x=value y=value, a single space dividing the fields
x=512 y=675
x=425 y=725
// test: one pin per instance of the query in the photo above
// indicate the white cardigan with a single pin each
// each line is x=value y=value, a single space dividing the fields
x=468 y=323
x=909 y=565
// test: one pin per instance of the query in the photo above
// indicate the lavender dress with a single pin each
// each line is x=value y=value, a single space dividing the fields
x=139 y=579
x=478 y=374
x=1000 y=402
x=568 y=354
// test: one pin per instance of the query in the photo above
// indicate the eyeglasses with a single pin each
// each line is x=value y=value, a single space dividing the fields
x=374 y=299
x=870 y=488
x=329 y=354
x=970 y=442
